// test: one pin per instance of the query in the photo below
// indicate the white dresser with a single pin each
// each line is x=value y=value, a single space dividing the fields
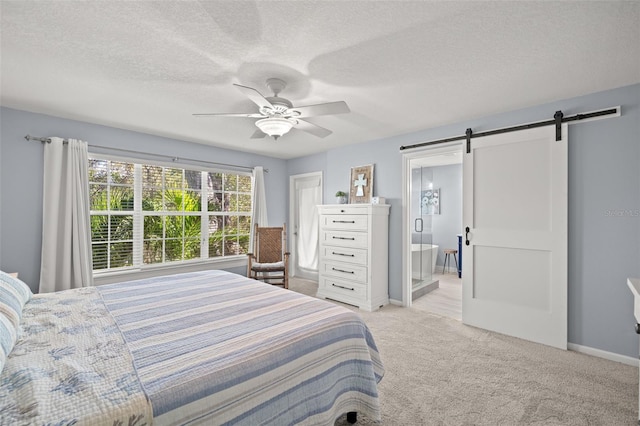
x=354 y=254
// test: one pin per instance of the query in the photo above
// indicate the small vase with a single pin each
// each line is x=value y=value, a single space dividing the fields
x=341 y=200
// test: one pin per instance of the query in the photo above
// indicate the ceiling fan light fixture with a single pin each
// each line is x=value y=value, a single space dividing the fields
x=275 y=126
x=277 y=115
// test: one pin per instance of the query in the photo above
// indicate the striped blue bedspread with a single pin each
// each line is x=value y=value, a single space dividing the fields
x=217 y=348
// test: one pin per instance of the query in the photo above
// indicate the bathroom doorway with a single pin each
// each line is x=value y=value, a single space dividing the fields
x=432 y=224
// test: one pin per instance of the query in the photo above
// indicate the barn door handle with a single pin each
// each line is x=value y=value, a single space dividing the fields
x=466 y=235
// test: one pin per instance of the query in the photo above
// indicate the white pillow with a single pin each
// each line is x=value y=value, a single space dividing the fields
x=8 y=336
x=23 y=290
x=14 y=293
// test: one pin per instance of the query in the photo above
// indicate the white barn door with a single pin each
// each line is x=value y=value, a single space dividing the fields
x=515 y=207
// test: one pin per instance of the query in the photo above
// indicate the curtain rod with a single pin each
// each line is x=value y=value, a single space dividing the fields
x=173 y=158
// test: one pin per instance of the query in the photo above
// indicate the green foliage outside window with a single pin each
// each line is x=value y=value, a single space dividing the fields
x=172 y=213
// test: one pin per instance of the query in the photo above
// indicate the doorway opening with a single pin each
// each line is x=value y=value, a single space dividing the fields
x=305 y=194
x=433 y=224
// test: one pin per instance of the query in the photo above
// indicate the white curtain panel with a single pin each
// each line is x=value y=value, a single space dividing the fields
x=259 y=213
x=308 y=227
x=66 y=230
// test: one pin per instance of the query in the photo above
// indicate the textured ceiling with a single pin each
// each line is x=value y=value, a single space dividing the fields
x=401 y=66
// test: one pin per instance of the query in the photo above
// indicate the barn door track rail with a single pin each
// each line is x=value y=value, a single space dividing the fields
x=558 y=119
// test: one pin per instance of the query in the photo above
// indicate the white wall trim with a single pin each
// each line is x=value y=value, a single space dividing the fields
x=396 y=302
x=603 y=354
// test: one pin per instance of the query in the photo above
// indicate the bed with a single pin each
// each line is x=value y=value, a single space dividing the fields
x=198 y=348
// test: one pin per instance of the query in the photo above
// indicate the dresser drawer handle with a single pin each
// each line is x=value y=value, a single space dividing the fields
x=346 y=288
x=344 y=221
x=344 y=238
x=343 y=254
x=342 y=270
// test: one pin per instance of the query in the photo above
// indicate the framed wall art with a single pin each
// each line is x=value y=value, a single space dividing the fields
x=430 y=202
x=361 y=185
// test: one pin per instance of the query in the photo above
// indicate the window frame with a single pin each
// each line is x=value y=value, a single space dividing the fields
x=141 y=270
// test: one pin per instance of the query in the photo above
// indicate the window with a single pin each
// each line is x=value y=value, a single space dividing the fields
x=146 y=214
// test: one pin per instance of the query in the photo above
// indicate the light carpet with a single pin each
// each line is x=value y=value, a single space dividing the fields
x=441 y=372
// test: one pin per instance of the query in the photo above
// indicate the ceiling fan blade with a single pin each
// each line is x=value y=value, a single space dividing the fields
x=255 y=96
x=339 y=107
x=314 y=129
x=258 y=134
x=253 y=115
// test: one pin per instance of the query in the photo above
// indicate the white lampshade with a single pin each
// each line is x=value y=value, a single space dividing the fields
x=275 y=126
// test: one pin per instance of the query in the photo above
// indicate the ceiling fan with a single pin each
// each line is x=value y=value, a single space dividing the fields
x=278 y=115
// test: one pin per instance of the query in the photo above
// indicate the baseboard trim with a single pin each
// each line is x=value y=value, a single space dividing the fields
x=603 y=354
x=396 y=302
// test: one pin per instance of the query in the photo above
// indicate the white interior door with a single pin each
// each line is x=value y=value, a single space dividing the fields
x=515 y=262
x=305 y=195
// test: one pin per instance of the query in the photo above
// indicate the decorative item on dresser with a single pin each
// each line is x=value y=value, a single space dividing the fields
x=361 y=187
x=341 y=197
x=354 y=254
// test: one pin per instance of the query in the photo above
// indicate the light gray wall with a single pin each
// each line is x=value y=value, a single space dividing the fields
x=448 y=224
x=21 y=177
x=604 y=201
x=443 y=228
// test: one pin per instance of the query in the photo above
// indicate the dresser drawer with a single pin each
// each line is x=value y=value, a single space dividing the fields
x=343 y=209
x=346 y=271
x=353 y=222
x=344 y=238
x=344 y=254
x=344 y=290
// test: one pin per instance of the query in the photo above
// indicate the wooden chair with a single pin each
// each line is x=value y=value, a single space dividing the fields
x=269 y=261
